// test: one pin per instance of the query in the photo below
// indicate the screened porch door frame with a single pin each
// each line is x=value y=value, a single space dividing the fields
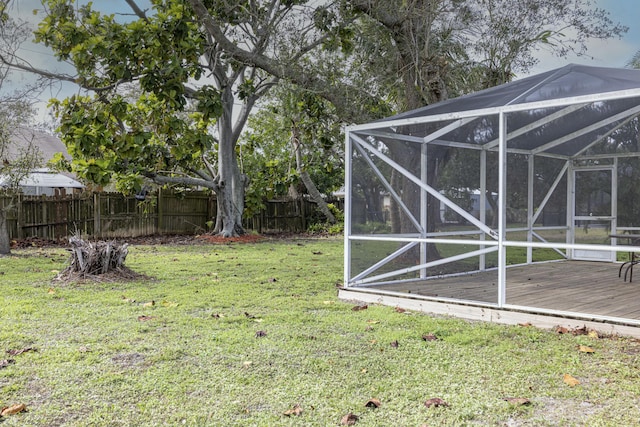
x=581 y=219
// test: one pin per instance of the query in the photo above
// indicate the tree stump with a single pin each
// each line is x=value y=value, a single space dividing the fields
x=96 y=260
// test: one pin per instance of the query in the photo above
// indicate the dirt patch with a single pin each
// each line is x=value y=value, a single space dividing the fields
x=550 y=411
x=128 y=360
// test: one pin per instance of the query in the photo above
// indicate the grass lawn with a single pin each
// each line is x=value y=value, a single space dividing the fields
x=238 y=334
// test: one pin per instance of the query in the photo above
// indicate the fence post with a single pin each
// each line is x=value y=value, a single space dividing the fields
x=303 y=212
x=159 y=209
x=19 y=221
x=96 y=214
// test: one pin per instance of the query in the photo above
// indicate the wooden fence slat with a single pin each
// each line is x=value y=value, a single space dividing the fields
x=108 y=215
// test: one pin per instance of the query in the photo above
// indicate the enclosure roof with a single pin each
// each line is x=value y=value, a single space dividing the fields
x=569 y=81
x=573 y=111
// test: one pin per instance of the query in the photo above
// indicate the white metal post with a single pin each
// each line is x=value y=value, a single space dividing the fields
x=614 y=196
x=571 y=202
x=483 y=202
x=502 y=256
x=348 y=153
x=423 y=208
x=614 y=204
x=530 y=181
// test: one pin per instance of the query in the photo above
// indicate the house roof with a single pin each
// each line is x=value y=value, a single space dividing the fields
x=46 y=178
x=571 y=111
x=48 y=145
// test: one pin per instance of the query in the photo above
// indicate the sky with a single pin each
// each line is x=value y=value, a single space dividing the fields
x=39 y=56
x=610 y=53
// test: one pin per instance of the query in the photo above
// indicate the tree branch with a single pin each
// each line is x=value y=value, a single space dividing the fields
x=338 y=93
x=56 y=76
x=43 y=73
x=136 y=9
x=184 y=180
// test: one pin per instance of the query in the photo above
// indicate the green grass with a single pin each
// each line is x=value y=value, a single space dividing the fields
x=199 y=359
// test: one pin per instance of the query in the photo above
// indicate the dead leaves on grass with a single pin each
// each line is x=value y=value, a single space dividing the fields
x=349 y=419
x=570 y=380
x=429 y=337
x=149 y=305
x=517 y=401
x=577 y=331
x=20 y=407
x=373 y=403
x=13 y=409
x=585 y=349
x=435 y=402
x=6 y=362
x=296 y=410
x=17 y=352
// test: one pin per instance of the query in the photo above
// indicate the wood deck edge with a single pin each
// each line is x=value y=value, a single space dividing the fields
x=488 y=314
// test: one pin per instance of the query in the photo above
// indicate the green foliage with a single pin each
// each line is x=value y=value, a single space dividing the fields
x=321 y=227
x=112 y=136
x=268 y=152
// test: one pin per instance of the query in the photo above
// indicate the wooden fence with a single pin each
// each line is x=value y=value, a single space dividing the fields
x=109 y=215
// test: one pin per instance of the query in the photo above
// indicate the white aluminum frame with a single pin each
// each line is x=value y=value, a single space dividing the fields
x=357 y=138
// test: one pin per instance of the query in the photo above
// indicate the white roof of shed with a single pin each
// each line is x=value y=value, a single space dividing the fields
x=47 y=178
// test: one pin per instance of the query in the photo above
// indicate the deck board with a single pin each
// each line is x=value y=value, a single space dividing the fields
x=591 y=288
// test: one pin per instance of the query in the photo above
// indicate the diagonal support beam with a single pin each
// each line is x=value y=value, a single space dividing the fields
x=448 y=128
x=606 y=135
x=457 y=209
x=549 y=193
x=384 y=261
x=426 y=265
x=538 y=123
x=389 y=188
x=586 y=130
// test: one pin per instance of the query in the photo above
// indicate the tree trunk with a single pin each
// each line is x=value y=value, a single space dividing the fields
x=231 y=183
x=5 y=243
x=315 y=195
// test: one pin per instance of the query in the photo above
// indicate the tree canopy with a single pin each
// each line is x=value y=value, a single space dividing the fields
x=169 y=100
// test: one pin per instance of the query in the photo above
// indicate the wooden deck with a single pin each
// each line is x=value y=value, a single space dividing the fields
x=588 y=290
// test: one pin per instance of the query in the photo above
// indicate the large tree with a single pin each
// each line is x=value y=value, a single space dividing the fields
x=167 y=100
